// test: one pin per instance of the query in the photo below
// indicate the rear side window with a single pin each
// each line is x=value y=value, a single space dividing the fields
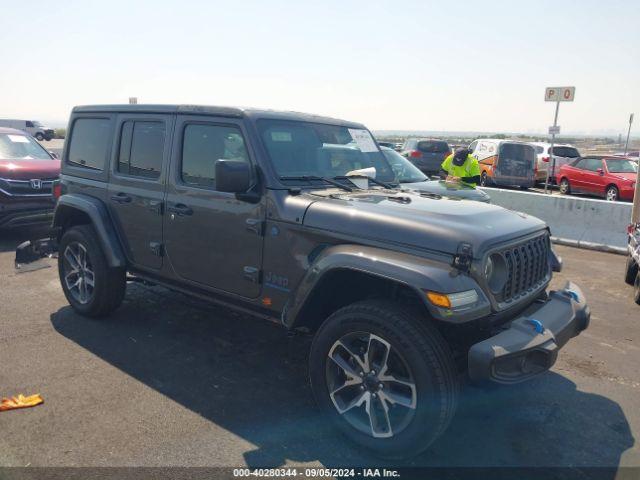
x=429 y=146
x=141 y=149
x=569 y=152
x=89 y=145
x=203 y=145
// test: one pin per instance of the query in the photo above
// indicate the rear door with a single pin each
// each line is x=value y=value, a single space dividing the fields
x=212 y=239
x=137 y=185
x=516 y=164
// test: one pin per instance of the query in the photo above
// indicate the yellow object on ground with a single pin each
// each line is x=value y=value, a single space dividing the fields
x=20 y=401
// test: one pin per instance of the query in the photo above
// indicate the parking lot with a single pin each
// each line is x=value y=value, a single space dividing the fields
x=171 y=381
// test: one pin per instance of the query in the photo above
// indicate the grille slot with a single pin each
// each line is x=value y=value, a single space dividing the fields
x=527 y=266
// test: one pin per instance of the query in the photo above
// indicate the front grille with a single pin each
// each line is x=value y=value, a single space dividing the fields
x=26 y=187
x=527 y=268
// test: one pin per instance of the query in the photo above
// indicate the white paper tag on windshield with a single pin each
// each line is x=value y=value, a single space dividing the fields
x=363 y=139
x=18 y=138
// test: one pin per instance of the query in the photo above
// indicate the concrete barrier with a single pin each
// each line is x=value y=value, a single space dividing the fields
x=577 y=221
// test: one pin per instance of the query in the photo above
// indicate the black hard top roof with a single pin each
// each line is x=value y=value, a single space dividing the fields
x=234 y=112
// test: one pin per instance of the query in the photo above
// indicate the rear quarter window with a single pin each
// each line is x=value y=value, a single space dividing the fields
x=90 y=141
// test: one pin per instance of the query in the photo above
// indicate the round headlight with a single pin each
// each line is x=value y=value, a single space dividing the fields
x=495 y=271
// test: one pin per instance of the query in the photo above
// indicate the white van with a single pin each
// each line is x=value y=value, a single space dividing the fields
x=505 y=162
x=562 y=154
x=32 y=127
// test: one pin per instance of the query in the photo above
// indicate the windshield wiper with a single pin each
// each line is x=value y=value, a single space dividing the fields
x=377 y=182
x=308 y=178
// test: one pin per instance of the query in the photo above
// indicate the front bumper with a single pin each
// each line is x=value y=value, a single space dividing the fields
x=26 y=218
x=530 y=344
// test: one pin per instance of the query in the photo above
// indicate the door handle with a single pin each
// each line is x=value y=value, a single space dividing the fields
x=121 y=198
x=180 y=209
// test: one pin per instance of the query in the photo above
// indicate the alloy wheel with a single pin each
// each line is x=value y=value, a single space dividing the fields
x=612 y=194
x=78 y=272
x=371 y=385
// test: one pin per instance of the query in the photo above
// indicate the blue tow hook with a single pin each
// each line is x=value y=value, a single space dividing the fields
x=573 y=295
x=537 y=325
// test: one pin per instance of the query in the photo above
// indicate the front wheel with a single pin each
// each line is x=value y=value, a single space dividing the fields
x=636 y=289
x=384 y=376
x=39 y=136
x=484 y=179
x=612 y=193
x=565 y=187
x=92 y=287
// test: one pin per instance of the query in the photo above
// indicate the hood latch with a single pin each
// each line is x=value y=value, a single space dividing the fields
x=463 y=258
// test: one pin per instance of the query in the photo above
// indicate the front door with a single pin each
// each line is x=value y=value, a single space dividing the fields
x=211 y=238
x=137 y=185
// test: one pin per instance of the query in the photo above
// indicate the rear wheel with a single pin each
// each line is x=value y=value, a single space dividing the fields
x=631 y=270
x=565 y=187
x=612 y=193
x=484 y=179
x=92 y=287
x=384 y=377
x=636 y=289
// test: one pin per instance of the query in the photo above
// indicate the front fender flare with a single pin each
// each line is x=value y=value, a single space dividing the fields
x=100 y=219
x=417 y=273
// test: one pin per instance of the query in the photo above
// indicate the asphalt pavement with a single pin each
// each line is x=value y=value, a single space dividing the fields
x=171 y=381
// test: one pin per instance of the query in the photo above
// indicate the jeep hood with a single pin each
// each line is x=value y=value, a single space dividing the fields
x=409 y=219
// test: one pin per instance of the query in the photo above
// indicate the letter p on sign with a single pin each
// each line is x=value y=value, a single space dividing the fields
x=559 y=94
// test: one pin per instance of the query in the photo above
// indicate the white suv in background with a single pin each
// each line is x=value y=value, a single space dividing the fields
x=562 y=153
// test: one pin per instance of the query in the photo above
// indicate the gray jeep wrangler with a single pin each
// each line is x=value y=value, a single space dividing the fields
x=298 y=219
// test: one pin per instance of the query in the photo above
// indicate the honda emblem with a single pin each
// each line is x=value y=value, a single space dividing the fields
x=35 y=183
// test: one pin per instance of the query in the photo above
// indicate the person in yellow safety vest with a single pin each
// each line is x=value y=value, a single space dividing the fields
x=461 y=167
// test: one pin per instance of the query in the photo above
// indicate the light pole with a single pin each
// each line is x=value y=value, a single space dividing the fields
x=626 y=144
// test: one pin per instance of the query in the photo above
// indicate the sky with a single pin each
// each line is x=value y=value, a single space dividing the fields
x=392 y=65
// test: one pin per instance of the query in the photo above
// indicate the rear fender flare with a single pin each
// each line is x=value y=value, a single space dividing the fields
x=100 y=219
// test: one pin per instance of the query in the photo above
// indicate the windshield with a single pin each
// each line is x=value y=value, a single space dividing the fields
x=21 y=147
x=36 y=123
x=621 y=166
x=404 y=170
x=569 y=152
x=304 y=149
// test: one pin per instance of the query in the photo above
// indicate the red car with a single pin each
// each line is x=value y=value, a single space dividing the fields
x=613 y=178
x=27 y=173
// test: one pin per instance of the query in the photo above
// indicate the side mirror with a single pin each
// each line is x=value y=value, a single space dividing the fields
x=233 y=176
x=54 y=154
x=600 y=171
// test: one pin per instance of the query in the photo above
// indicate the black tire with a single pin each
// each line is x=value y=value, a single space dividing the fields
x=484 y=179
x=631 y=271
x=636 y=289
x=39 y=136
x=565 y=187
x=425 y=354
x=612 y=194
x=109 y=284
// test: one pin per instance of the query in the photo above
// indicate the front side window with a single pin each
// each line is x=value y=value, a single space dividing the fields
x=90 y=138
x=302 y=149
x=203 y=145
x=404 y=170
x=141 y=149
x=592 y=164
x=21 y=147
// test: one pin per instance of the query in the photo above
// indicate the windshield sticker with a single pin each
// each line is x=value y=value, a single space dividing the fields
x=281 y=136
x=364 y=140
x=18 y=138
